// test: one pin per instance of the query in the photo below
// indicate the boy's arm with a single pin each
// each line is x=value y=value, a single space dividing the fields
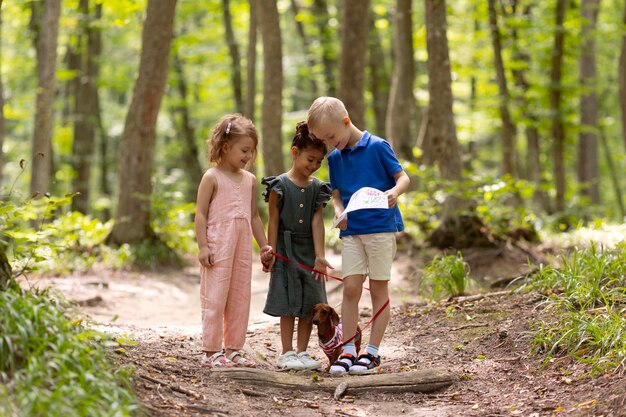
x=317 y=226
x=402 y=184
x=205 y=193
x=338 y=207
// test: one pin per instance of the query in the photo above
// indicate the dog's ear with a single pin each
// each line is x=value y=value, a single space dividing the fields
x=334 y=316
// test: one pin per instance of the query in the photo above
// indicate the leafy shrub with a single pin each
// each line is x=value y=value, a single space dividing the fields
x=586 y=299
x=446 y=276
x=51 y=366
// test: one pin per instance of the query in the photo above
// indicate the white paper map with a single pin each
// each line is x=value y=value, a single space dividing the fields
x=364 y=198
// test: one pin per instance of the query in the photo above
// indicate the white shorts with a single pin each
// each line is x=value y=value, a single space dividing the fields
x=370 y=255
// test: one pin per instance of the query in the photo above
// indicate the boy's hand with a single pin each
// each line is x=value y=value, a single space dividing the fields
x=342 y=224
x=205 y=256
x=322 y=265
x=392 y=198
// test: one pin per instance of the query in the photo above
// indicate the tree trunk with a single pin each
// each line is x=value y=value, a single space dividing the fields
x=588 y=171
x=402 y=107
x=534 y=169
x=251 y=62
x=104 y=184
x=621 y=76
x=327 y=40
x=233 y=48
x=509 y=153
x=86 y=109
x=132 y=220
x=379 y=77
x=46 y=28
x=5 y=269
x=558 y=126
x=354 y=35
x=2 y=132
x=190 y=152
x=459 y=226
x=304 y=98
x=272 y=108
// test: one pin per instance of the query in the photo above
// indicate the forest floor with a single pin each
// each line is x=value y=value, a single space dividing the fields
x=483 y=342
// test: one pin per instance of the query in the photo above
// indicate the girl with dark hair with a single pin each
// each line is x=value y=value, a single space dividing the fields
x=296 y=229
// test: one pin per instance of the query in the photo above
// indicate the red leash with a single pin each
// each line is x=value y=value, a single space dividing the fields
x=308 y=268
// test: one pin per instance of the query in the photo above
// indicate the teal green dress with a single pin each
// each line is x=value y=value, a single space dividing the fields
x=293 y=290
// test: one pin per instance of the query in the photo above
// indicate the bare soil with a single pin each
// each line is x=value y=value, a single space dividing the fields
x=484 y=342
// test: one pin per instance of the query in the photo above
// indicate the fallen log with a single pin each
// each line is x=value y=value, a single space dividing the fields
x=426 y=380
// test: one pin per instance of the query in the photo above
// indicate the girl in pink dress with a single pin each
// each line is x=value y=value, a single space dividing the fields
x=226 y=220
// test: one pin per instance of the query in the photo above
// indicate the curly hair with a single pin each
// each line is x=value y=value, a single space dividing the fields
x=303 y=140
x=229 y=129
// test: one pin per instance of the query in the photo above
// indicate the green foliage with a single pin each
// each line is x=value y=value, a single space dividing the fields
x=586 y=299
x=446 y=276
x=52 y=366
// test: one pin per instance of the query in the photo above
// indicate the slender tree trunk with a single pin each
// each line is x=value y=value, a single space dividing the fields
x=103 y=183
x=272 y=108
x=379 y=77
x=459 y=226
x=233 y=48
x=86 y=117
x=307 y=97
x=132 y=220
x=251 y=62
x=533 y=162
x=5 y=269
x=190 y=152
x=558 y=126
x=509 y=153
x=588 y=171
x=621 y=76
x=613 y=173
x=46 y=28
x=2 y=132
x=402 y=107
x=327 y=40
x=355 y=15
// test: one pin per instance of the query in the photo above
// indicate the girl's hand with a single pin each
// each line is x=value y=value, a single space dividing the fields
x=392 y=198
x=322 y=265
x=205 y=257
x=268 y=266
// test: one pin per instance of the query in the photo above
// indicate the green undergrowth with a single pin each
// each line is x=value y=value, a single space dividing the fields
x=446 y=276
x=51 y=365
x=586 y=308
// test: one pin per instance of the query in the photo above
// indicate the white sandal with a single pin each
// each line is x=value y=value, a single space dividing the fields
x=217 y=360
x=242 y=362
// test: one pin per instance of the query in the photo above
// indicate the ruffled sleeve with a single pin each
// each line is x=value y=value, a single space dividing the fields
x=272 y=183
x=324 y=194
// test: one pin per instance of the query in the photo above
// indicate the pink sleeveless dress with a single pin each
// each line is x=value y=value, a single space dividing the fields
x=225 y=286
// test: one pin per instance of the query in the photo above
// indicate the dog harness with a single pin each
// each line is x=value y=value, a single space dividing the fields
x=334 y=342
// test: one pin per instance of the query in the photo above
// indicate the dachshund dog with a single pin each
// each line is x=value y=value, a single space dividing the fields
x=330 y=332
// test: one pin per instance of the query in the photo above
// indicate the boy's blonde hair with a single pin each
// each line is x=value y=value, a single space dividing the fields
x=323 y=109
x=229 y=129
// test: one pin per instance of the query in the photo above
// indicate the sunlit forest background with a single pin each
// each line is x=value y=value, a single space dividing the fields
x=516 y=122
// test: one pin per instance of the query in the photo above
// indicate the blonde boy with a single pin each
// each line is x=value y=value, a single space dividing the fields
x=361 y=159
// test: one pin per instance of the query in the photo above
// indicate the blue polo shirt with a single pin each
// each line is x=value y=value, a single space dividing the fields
x=370 y=163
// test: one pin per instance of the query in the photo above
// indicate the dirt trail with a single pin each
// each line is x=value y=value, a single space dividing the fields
x=171 y=299
x=485 y=343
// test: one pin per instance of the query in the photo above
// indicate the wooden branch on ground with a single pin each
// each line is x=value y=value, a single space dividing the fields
x=426 y=380
x=170 y=386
